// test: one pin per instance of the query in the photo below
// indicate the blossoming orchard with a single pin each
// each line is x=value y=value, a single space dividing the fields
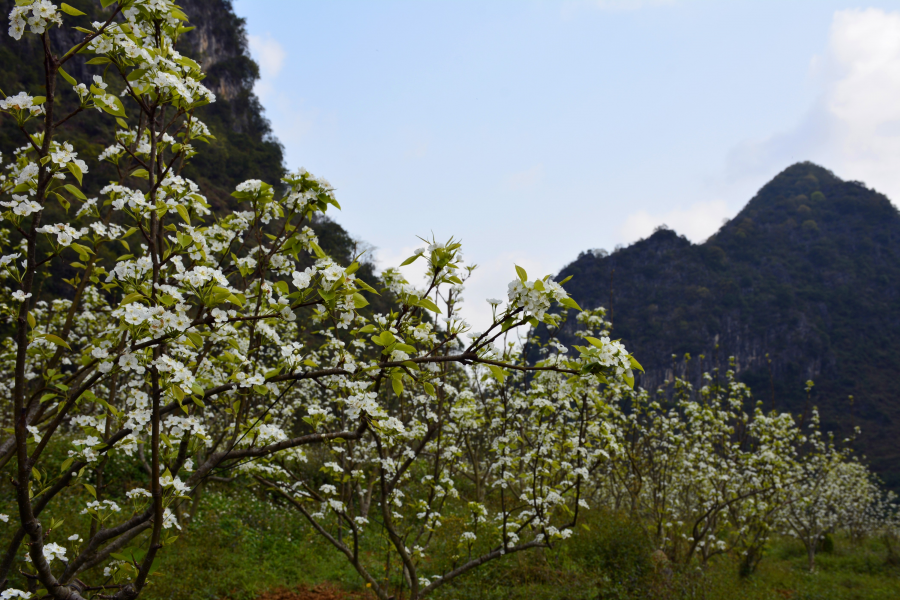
x=207 y=346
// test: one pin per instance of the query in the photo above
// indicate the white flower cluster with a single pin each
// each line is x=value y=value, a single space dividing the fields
x=179 y=488
x=534 y=297
x=22 y=101
x=51 y=551
x=65 y=233
x=87 y=452
x=38 y=15
x=96 y=507
x=178 y=373
x=22 y=205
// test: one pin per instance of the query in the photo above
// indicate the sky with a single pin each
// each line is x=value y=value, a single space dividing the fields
x=533 y=131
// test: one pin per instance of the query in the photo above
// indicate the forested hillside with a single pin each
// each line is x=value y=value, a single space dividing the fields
x=804 y=283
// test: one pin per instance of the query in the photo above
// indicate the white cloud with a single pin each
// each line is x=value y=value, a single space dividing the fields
x=854 y=126
x=697 y=222
x=270 y=56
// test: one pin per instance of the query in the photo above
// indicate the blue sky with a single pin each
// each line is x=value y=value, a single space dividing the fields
x=537 y=130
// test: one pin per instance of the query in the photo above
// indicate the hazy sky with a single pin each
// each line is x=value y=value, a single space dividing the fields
x=537 y=130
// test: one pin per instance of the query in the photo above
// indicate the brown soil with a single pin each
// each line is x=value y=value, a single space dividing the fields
x=323 y=591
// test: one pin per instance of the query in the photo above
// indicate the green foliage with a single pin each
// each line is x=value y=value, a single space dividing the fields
x=616 y=552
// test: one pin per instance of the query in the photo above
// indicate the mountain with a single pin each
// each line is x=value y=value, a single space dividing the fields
x=804 y=283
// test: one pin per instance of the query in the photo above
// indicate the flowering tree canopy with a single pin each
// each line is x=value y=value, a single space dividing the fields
x=194 y=343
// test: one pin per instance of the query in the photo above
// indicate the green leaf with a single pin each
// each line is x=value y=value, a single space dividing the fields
x=570 y=303
x=635 y=364
x=105 y=3
x=367 y=328
x=136 y=74
x=410 y=260
x=118 y=110
x=261 y=389
x=69 y=79
x=236 y=299
x=31 y=321
x=521 y=273
x=318 y=251
x=359 y=301
x=90 y=489
x=282 y=287
x=397 y=385
x=75 y=191
x=70 y=10
x=427 y=303
x=83 y=250
x=386 y=338
x=66 y=464
x=366 y=286
x=429 y=389
x=195 y=338
x=38 y=100
x=132 y=297
x=121 y=123
x=404 y=347
x=538 y=285
x=498 y=373
x=56 y=340
x=594 y=341
x=142 y=173
x=565 y=280
x=184 y=214
x=75 y=170
x=99 y=60
x=62 y=201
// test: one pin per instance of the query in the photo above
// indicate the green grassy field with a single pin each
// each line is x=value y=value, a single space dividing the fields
x=240 y=546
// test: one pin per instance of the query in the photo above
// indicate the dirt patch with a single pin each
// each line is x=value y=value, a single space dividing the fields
x=323 y=591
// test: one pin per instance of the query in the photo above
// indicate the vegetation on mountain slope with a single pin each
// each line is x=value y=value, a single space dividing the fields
x=804 y=283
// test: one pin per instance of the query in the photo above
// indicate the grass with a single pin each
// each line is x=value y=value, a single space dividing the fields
x=240 y=546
